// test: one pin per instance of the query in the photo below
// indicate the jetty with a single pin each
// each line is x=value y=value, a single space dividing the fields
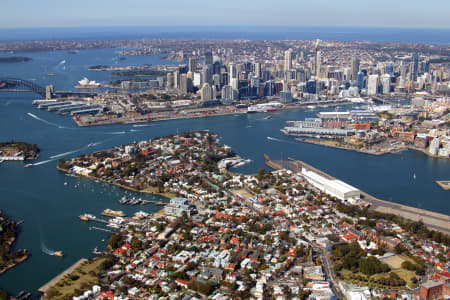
x=43 y=289
x=433 y=220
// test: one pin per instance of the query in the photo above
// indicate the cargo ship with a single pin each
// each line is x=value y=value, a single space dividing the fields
x=113 y=213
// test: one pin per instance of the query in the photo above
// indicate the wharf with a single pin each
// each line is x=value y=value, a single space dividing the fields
x=433 y=220
x=101 y=229
x=153 y=202
x=43 y=289
x=97 y=220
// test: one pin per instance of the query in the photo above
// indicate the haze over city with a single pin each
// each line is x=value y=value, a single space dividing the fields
x=382 y=13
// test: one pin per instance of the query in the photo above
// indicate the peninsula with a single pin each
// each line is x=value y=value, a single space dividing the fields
x=8 y=234
x=248 y=236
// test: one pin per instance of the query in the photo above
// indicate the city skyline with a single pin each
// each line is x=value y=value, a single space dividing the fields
x=349 y=13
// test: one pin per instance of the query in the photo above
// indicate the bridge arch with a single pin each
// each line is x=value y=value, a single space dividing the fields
x=16 y=83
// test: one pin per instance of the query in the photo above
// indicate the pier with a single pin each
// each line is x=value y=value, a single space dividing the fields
x=433 y=220
x=101 y=229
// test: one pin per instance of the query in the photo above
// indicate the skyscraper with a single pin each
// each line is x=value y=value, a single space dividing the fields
x=206 y=92
x=183 y=84
x=208 y=58
x=317 y=64
x=354 y=67
x=386 y=83
x=192 y=64
x=372 y=85
x=360 y=80
x=287 y=60
x=232 y=72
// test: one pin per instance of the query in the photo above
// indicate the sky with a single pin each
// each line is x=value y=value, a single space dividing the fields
x=360 y=13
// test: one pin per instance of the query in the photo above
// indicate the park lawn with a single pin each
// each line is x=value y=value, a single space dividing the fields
x=154 y=190
x=395 y=262
x=402 y=273
x=66 y=288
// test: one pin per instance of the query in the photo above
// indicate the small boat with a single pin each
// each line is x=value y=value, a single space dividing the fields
x=267 y=118
x=58 y=253
x=65 y=183
x=91 y=145
x=28 y=165
x=414 y=176
x=50 y=74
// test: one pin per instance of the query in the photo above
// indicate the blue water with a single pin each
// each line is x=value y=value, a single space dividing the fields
x=258 y=33
x=51 y=209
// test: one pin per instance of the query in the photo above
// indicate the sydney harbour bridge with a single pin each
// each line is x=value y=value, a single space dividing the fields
x=21 y=85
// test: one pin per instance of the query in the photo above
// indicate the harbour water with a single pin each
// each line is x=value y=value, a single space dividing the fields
x=50 y=208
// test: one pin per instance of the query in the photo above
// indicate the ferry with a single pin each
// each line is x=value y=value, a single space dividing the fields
x=58 y=253
x=113 y=213
x=87 y=217
x=260 y=108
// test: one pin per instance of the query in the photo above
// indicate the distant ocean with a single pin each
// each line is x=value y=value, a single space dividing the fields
x=412 y=35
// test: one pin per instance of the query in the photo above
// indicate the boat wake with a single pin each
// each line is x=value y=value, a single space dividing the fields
x=280 y=140
x=116 y=132
x=62 y=62
x=46 y=250
x=47 y=122
x=141 y=125
x=134 y=130
x=43 y=162
x=65 y=153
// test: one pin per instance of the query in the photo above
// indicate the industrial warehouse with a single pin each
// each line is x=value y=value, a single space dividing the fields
x=335 y=188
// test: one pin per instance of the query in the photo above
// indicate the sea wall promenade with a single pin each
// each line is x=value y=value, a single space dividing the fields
x=432 y=220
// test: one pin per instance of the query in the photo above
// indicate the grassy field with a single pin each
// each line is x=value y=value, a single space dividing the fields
x=154 y=191
x=83 y=278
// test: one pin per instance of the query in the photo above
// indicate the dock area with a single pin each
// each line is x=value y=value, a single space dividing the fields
x=433 y=220
x=445 y=184
x=43 y=289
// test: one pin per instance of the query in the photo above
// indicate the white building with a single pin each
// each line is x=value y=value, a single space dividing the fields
x=335 y=188
x=372 y=85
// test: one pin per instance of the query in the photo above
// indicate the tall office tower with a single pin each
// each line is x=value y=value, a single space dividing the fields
x=183 y=84
x=232 y=71
x=169 y=80
x=386 y=83
x=302 y=56
x=389 y=69
x=216 y=80
x=206 y=92
x=269 y=51
x=208 y=58
x=176 y=79
x=257 y=69
x=224 y=79
x=372 y=85
x=234 y=83
x=206 y=72
x=415 y=66
x=197 y=79
x=254 y=82
x=287 y=59
x=317 y=64
x=360 y=80
x=192 y=64
x=227 y=94
x=355 y=68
